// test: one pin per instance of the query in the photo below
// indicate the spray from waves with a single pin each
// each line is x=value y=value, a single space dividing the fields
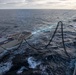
x=43 y=29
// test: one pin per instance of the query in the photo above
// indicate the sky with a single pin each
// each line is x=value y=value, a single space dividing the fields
x=37 y=4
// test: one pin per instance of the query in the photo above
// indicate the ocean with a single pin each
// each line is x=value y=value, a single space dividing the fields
x=39 y=60
x=32 y=19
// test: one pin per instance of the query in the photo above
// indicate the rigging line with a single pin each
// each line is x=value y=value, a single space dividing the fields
x=36 y=50
x=63 y=39
x=53 y=35
x=15 y=49
x=3 y=48
x=19 y=45
x=33 y=47
x=59 y=23
x=0 y=34
x=49 y=41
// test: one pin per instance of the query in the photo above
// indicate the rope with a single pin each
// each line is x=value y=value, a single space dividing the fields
x=49 y=40
x=53 y=35
x=3 y=48
x=59 y=23
x=63 y=39
x=37 y=50
x=17 y=47
x=1 y=34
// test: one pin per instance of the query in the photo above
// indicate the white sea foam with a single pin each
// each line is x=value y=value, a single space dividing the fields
x=33 y=63
x=41 y=29
x=4 y=67
x=21 y=70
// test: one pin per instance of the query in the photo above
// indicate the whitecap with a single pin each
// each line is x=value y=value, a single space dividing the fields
x=33 y=63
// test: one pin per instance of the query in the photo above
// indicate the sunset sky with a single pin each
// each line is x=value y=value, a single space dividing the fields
x=37 y=4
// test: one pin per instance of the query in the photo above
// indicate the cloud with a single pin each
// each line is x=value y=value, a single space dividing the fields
x=37 y=4
x=10 y=1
